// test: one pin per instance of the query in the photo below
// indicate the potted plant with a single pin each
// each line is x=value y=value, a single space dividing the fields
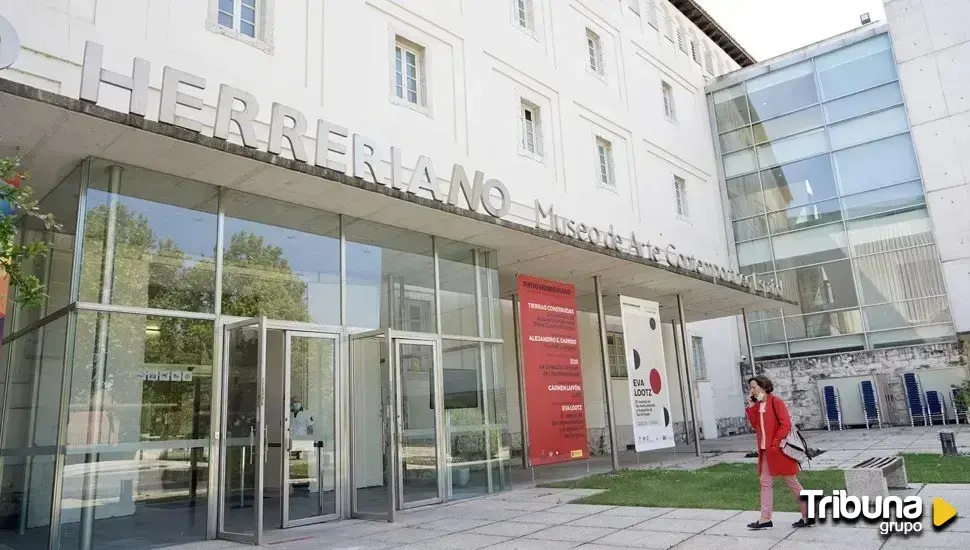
x=16 y=201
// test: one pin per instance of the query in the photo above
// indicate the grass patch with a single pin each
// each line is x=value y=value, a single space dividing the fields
x=721 y=487
x=933 y=468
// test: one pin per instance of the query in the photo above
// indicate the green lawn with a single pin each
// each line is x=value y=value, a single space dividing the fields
x=735 y=486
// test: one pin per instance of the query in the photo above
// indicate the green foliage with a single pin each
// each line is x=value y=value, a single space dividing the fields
x=13 y=256
x=963 y=394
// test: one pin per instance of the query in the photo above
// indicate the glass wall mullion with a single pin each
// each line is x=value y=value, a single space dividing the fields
x=482 y=377
x=79 y=230
x=215 y=404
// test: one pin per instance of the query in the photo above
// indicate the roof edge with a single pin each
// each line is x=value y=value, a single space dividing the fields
x=709 y=26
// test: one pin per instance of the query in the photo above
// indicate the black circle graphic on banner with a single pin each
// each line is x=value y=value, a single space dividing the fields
x=653 y=324
x=666 y=417
x=636 y=359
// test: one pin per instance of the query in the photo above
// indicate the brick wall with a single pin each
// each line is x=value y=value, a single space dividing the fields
x=795 y=380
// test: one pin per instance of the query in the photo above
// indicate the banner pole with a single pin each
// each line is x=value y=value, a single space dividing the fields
x=607 y=379
x=688 y=368
x=520 y=371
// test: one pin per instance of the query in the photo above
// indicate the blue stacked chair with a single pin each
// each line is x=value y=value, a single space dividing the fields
x=914 y=399
x=935 y=408
x=958 y=409
x=833 y=408
x=870 y=403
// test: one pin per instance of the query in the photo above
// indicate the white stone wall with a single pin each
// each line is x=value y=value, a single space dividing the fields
x=931 y=39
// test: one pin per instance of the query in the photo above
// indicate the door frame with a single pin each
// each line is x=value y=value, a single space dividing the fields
x=398 y=339
x=260 y=451
x=338 y=488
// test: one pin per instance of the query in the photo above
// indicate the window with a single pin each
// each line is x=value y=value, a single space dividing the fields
x=524 y=11
x=238 y=15
x=669 y=24
x=616 y=351
x=652 y=13
x=708 y=60
x=670 y=109
x=680 y=196
x=694 y=53
x=595 y=47
x=681 y=38
x=634 y=6
x=697 y=354
x=409 y=72
x=531 y=123
x=604 y=162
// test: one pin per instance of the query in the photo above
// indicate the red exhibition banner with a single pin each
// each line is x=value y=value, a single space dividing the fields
x=553 y=374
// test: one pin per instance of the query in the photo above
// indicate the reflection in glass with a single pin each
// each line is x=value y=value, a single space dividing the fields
x=878 y=164
x=280 y=260
x=491 y=299
x=164 y=234
x=744 y=194
x=911 y=336
x=831 y=344
x=803 y=182
x=767 y=332
x=882 y=200
x=817 y=325
x=742 y=162
x=863 y=102
x=755 y=256
x=465 y=425
x=240 y=444
x=770 y=351
x=390 y=277
x=901 y=275
x=888 y=232
x=738 y=139
x=857 y=67
x=137 y=430
x=370 y=399
x=801 y=217
x=782 y=91
x=419 y=440
x=459 y=307
x=731 y=108
x=312 y=410
x=783 y=126
x=868 y=128
x=822 y=287
x=927 y=311
x=792 y=148
x=29 y=435
x=751 y=228
x=810 y=246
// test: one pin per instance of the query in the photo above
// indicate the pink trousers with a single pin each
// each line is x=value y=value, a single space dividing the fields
x=768 y=491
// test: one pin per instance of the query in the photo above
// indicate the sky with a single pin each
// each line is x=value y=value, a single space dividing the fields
x=767 y=28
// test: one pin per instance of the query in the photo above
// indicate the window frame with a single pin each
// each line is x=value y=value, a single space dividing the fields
x=605 y=167
x=697 y=351
x=525 y=22
x=403 y=42
x=615 y=351
x=263 y=23
x=595 y=59
x=669 y=101
x=681 y=205
x=530 y=107
x=652 y=20
x=634 y=6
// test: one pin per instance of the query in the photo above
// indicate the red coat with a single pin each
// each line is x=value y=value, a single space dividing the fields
x=776 y=430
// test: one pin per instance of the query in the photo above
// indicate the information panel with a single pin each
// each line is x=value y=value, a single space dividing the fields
x=553 y=374
x=647 y=372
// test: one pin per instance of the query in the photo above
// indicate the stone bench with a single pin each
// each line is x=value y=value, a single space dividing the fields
x=876 y=476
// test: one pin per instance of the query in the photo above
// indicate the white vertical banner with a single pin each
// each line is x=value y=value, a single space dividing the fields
x=647 y=372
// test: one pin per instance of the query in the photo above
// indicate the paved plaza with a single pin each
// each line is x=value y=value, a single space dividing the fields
x=529 y=517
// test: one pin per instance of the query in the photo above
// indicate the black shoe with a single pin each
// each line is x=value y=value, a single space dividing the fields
x=803 y=523
x=759 y=525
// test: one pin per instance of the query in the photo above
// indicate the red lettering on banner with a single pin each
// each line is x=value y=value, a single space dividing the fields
x=553 y=373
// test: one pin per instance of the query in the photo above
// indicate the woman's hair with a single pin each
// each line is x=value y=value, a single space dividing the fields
x=764 y=382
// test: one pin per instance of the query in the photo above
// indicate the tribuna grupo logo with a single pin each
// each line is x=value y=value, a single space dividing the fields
x=902 y=515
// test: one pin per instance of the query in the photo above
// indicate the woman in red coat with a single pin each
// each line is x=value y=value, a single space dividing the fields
x=769 y=418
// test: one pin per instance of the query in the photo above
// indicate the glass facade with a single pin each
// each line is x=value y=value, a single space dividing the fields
x=824 y=194
x=110 y=392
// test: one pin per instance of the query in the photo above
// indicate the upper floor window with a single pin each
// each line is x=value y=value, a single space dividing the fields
x=680 y=196
x=531 y=122
x=695 y=54
x=524 y=12
x=238 y=15
x=700 y=360
x=708 y=60
x=604 y=158
x=669 y=23
x=634 y=6
x=681 y=38
x=616 y=351
x=409 y=78
x=670 y=109
x=595 y=47
x=652 y=13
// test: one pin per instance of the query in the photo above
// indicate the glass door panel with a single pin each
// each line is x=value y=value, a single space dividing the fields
x=372 y=453
x=310 y=468
x=243 y=438
x=419 y=415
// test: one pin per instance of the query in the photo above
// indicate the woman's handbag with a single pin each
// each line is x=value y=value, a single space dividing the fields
x=794 y=446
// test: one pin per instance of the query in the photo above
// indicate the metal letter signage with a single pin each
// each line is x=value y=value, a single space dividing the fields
x=9 y=44
x=653 y=426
